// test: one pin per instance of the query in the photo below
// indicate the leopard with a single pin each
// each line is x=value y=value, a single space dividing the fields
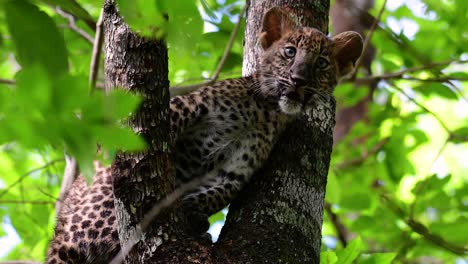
x=223 y=132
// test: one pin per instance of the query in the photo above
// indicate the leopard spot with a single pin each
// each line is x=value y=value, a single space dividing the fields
x=76 y=218
x=85 y=224
x=63 y=253
x=77 y=236
x=108 y=204
x=97 y=198
x=111 y=220
x=99 y=224
x=105 y=232
x=115 y=235
x=233 y=116
x=72 y=253
x=92 y=215
x=93 y=234
x=106 y=213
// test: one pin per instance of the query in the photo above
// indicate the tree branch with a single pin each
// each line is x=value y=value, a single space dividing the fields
x=341 y=230
x=367 y=40
x=400 y=74
x=214 y=77
x=69 y=175
x=439 y=79
x=151 y=215
x=72 y=25
x=25 y=202
x=422 y=230
x=96 y=56
x=20 y=262
x=6 y=81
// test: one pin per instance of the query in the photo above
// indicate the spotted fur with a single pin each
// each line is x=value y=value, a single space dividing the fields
x=224 y=131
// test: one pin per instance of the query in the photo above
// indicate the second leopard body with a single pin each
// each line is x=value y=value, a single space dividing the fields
x=225 y=132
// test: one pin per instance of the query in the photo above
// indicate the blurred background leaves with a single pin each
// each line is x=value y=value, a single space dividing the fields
x=397 y=183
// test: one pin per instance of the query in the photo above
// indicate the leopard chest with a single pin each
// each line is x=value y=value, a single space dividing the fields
x=236 y=133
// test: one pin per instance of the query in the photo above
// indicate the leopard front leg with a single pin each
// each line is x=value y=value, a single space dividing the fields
x=210 y=197
x=222 y=186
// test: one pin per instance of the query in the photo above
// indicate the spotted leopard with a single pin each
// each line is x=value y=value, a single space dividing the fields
x=223 y=132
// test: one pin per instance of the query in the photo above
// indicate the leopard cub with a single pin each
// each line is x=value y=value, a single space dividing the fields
x=223 y=133
x=226 y=131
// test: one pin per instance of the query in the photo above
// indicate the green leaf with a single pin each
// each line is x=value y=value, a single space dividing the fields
x=26 y=23
x=356 y=201
x=377 y=258
x=351 y=252
x=112 y=137
x=460 y=135
x=333 y=193
x=328 y=257
x=458 y=75
x=218 y=217
x=435 y=88
x=144 y=16
x=452 y=231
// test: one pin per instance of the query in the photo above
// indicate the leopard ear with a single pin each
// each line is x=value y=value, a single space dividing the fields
x=347 y=48
x=276 y=23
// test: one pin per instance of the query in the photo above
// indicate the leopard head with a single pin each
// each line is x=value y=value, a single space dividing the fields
x=301 y=64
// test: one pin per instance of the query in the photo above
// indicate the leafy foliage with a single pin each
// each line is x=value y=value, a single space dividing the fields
x=397 y=179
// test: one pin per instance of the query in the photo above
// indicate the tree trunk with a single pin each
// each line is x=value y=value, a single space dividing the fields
x=279 y=215
x=140 y=66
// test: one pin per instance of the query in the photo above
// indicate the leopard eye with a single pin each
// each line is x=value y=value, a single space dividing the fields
x=322 y=63
x=290 y=52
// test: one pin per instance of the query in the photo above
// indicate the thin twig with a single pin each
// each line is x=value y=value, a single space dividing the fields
x=214 y=77
x=22 y=177
x=20 y=262
x=164 y=203
x=400 y=74
x=439 y=79
x=25 y=202
x=444 y=126
x=72 y=24
x=341 y=230
x=6 y=81
x=368 y=39
x=422 y=230
x=97 y=48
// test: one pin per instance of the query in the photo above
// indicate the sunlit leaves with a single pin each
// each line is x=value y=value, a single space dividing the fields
x=47 y=105
x=392 y=151
x=353 y=254
x=180 y=24
x=26 y=23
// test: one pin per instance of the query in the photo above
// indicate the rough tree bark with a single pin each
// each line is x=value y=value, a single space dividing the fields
x=278 y=216
x=141 y=179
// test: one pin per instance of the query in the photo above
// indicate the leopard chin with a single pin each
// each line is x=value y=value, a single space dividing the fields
x=288 y=106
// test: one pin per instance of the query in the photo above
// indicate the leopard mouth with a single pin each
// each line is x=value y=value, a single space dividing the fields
x=290 y=102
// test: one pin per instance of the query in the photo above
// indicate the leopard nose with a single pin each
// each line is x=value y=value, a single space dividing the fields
x=298 y=81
